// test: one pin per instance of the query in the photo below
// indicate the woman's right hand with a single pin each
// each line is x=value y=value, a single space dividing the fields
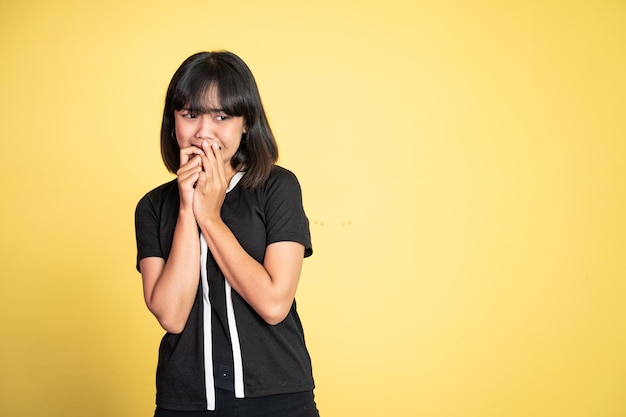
x=188 y=174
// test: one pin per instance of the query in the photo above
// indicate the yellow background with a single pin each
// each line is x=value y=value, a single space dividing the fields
x=463 y=171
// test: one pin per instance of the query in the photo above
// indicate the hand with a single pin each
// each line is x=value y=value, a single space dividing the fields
x=211 y=185
x=188 y=174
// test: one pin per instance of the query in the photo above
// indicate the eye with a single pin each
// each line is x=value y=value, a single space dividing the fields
x=186 y=114
x=222 y=117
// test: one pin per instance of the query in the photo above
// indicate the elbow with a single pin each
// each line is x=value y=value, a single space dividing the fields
x=171 y=325
x=276 y=314
x=274 y=320
x=170 y=322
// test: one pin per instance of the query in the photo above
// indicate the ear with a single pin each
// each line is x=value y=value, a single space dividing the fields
x=245 y=127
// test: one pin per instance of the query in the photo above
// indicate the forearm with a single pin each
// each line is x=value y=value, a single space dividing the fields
x=174 y=291
x=270 y=296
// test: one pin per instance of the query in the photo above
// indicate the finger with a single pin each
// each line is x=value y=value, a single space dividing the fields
x=208 y=160
x=188 y=153
x=188 y=179
x=198 y=180
x=194 y=165
x=191 y=168
x=217 y=151
x=188 y=170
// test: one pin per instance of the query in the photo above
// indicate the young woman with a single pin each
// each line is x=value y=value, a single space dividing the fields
x=220 y=250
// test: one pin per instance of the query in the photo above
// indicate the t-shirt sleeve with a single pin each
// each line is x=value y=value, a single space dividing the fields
x=147 y=230
x=285 y=216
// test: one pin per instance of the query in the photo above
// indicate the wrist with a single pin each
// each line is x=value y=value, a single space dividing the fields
x=210 y=223
x=186 y=213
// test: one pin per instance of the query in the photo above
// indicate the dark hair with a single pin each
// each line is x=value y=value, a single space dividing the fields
x=238 y=95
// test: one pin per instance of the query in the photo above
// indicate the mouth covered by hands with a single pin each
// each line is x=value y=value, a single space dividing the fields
x=202 y=180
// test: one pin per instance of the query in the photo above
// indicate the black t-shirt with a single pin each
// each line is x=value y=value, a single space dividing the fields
x=273 y=359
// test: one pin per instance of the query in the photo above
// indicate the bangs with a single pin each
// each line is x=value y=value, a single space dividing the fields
x=206 y=88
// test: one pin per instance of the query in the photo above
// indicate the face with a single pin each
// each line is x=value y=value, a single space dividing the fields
x=215 y=127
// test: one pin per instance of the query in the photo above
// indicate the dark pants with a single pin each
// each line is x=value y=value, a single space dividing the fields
x=300 y=404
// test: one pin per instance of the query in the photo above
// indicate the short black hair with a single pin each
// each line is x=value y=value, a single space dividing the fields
x=238 y=95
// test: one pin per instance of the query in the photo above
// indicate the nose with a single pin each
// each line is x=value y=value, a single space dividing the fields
x=205 y=127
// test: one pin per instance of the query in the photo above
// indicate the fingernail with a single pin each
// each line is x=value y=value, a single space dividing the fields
x=216 y=146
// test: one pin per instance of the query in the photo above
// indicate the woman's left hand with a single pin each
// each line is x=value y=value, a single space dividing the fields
x=211 y=187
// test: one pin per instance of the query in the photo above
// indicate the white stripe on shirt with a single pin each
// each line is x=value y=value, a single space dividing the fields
x=209 y=383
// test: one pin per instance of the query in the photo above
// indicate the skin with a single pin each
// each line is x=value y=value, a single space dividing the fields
x=207 y=143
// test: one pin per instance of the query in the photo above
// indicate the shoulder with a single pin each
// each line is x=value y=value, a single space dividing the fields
x=282 y=191
x=280 y=184
x=160 y=195
x=279 y=171
x=280 y=176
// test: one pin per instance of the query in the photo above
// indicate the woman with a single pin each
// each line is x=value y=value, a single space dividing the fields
x=220 y=250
